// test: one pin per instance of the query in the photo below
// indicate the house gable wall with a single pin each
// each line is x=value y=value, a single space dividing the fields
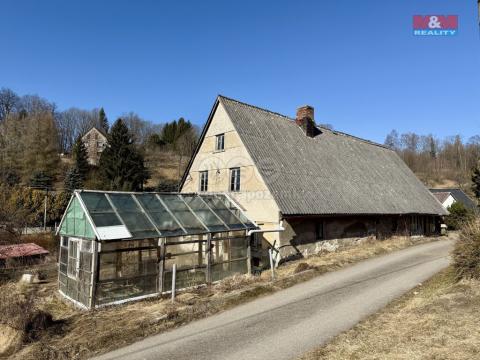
x=94 y=142
x=448 y=202
x=253 y=196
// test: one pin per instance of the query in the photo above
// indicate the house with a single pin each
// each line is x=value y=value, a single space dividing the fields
x=123 y=246
x=448 y=197
x=21 y=254
x=95 y=141
x=304 y=185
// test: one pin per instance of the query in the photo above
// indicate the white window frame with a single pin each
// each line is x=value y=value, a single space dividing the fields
x=235 y=177
x=203 y=181
x=73 y=273
x=220 y=142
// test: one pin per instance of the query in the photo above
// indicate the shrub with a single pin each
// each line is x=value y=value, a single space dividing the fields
x=466 y=254
x=301 y=267
x=459 y=215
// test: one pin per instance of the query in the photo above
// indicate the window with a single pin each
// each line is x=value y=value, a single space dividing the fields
x=220 y=142
x=319 y=230
x=203 y=180
x=235 y=179
x=73 y=258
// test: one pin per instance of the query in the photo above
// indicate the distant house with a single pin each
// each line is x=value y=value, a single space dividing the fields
x=307 y=184
x=449 y=196
x=95 y=141
x=21 y=254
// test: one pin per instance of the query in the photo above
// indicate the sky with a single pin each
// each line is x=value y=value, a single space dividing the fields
x=356 y=62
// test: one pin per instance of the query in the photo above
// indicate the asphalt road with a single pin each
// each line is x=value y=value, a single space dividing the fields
x=290 y=322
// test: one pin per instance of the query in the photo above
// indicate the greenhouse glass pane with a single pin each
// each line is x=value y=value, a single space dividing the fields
x=100 y=209
x=159 y=215
x=132 y=215
x=76 y=222
x=79 y=218
x=180 y=210
x=223 y=212
x=89 y=233
x=204 y=213
x=96 y=202
x=235 y=210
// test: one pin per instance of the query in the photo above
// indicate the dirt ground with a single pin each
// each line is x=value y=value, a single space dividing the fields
x=76 y=334
x=439 y=319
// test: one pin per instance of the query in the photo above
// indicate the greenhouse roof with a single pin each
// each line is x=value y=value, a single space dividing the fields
x=126 y=215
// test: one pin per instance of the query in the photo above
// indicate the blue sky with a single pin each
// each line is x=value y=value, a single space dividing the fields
x=356 y=62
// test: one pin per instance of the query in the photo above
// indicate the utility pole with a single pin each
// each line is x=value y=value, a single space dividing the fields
x=42 y=182
x=45 y=211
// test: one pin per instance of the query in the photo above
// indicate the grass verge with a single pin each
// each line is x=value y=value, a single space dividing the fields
x=437 y=320
x=82 y=334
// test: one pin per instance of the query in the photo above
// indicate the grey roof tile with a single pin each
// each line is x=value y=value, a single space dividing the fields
x=333 y=173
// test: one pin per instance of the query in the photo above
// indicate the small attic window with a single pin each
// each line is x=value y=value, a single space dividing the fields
x=220 y=142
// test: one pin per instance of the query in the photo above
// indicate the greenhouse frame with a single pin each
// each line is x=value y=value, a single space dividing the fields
x=122 y=246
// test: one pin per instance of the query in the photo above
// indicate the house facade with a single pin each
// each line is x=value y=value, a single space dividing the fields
x=445 y=198
x=307 y=187
x=95 y=141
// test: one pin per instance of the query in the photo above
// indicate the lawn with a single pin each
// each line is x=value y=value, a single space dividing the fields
x=76 y=334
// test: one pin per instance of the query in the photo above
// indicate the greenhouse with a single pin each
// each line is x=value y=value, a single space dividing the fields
x=119 y=246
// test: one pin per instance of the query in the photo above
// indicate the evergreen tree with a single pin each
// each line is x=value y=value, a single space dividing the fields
x=121 y=165
x=80 y=156
x=102 y=119
x=73 y=180
x=476 y=181
x=40 y=180
x=171 y=132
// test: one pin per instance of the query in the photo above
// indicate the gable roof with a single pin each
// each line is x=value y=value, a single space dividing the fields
x=332 y=173
x=101 y=131
x=458 y=195
x=442 y=196
x=111 y=215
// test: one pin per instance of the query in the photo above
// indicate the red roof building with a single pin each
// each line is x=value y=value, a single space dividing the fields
x=21 y=251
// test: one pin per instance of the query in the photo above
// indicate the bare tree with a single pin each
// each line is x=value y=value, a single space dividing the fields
x=140 y=128
x=9 y=102
x=392 y=140
x=73 y=123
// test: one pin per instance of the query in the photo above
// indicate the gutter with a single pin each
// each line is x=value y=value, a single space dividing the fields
x=279 y=229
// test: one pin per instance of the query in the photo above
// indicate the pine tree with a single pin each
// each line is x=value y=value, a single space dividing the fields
x=73 y=180
x=102 y=118
x=121 y=165
x=40 y=180
x=476 y=181
x=80 y=156
x=171 y=132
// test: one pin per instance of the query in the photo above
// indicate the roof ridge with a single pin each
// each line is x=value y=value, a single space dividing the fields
x=336 y=132
x=256 y=107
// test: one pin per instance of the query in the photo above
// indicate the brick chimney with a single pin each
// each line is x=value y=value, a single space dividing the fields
x=305 y=120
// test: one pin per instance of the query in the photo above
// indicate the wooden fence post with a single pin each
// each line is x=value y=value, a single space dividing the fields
x=174 y=281
x=209 y=258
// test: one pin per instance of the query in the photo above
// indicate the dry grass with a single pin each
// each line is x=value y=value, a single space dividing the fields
x=437 y=320
x=466 y=255
x=88 y=333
